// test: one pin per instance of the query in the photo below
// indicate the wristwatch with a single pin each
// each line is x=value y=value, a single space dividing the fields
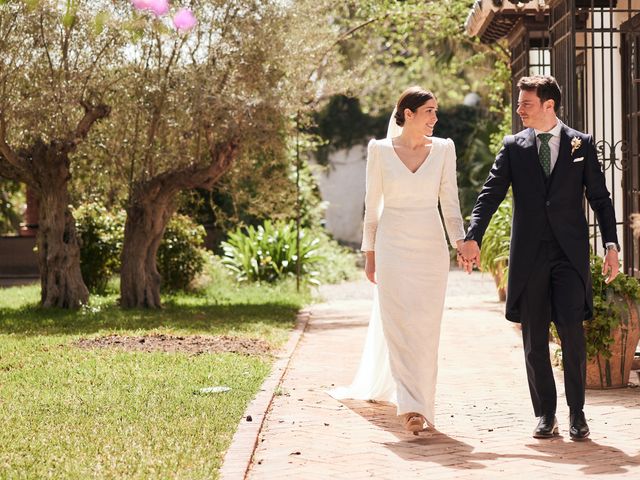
x=612 y=246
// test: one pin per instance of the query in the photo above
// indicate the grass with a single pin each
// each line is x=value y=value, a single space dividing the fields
x=74 y=413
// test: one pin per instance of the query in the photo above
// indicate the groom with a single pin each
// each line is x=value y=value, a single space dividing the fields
x=550 y=167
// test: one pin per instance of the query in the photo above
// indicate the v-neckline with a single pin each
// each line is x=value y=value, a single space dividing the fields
x=426 y=158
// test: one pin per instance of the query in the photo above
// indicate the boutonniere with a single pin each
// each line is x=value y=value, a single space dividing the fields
x=576 y=142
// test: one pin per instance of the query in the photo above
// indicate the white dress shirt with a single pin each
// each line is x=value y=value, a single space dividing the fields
x=554 y=142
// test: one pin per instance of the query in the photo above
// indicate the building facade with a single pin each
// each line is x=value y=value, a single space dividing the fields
x=592 y=48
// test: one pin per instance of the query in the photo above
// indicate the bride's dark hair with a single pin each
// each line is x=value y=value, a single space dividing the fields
x=412 y=98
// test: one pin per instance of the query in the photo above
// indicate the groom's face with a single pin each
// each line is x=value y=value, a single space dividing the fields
x=533 y=112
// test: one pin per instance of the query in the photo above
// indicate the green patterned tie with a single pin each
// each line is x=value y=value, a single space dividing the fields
x=545 y=152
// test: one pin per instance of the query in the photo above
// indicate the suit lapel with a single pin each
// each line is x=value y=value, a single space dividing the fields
x=564 y=157
x=530 y=159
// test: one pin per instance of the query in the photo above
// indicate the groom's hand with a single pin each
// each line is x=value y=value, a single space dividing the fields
x=470 y=252
x=461 y=261
x=610 y=266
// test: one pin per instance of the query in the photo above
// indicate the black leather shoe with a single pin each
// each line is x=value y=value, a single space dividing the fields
x=578 y=428
x=547 y=427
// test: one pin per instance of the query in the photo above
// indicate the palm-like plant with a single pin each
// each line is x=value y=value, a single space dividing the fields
x=494 y=253
x=268 y=252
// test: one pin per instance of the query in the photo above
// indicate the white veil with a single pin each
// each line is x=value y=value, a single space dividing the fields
x=393 y=130
x=373 y=380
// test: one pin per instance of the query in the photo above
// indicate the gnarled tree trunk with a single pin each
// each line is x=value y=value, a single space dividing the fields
x=58 y=244
x=146 y=222
x=45 y=168
x=151 y=205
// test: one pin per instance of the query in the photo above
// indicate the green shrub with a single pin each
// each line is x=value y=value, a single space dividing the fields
x=494 y=253
x=609 y=308
x=180 y=254
x=268 y=252
x=337 y=263
x=101 y=233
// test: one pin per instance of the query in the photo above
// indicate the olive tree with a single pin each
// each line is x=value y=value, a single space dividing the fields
x=53 y=57
x=196 y=101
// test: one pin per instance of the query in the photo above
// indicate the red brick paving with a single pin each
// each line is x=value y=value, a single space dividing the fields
x=483 y=415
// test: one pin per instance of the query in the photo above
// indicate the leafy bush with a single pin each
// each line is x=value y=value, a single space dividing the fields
x=180 y=254
x=494 y=253
x=609 y=307
x=342 y=124
x=268 y=252
x=101 y=234
x=337 y=263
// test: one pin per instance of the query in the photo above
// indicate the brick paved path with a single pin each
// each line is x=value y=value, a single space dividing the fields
x=483 y=415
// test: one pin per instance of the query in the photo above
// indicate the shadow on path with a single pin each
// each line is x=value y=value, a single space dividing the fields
x=437 y=447
x=591 y=457
x=433 y=446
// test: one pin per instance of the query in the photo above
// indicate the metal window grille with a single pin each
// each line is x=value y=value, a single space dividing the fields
x=594 y=51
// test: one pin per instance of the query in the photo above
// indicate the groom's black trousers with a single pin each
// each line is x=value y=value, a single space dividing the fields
x=554 y=292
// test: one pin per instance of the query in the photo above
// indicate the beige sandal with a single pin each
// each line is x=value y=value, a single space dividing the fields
x=414 y=422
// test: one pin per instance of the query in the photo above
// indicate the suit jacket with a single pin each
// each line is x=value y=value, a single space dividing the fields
x=537 y=200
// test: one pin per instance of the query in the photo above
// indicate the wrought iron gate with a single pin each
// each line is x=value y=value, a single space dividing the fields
x=631 y=151
x=587 y=44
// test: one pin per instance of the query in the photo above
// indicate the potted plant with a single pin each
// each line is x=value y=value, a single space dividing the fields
x=611 y=336
x=613 y=333
x=494 y=252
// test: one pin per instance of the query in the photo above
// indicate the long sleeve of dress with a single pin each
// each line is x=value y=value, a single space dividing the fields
x=448 y=196
x=373 y=201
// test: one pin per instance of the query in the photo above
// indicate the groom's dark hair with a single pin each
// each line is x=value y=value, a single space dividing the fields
x=545 y=86
x=412 y=98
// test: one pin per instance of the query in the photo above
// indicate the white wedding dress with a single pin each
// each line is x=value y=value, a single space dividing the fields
x=402 y=224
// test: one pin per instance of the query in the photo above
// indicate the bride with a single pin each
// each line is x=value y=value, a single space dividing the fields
x=408 y=174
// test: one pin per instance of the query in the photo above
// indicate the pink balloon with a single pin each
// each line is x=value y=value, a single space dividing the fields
x=184 y=20
x=140 y=4
x=158 y=7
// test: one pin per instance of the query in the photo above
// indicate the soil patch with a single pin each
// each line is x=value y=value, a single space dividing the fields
x=193 y=344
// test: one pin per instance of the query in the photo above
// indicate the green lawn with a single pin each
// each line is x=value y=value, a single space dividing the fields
x=75 y=413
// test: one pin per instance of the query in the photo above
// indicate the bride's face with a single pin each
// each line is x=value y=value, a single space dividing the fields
x=424 y=119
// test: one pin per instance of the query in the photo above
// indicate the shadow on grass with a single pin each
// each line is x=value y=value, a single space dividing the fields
x=220 y=307
x=32 y=320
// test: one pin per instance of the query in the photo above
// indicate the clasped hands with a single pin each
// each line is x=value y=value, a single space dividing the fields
x=468 y=254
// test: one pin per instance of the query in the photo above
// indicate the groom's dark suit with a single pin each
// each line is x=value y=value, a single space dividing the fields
x=549 y=273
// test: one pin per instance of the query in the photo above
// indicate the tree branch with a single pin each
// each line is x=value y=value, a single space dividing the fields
x=91 y=115
x=343 y=37
x=6 y=152
x=45 y=45
x=171 y=182
x=93 y=67
x=9 y=171
x=160 y=102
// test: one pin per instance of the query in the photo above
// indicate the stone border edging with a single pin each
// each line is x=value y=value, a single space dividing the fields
x=238 y=457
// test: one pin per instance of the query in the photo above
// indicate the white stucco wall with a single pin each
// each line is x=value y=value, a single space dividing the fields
x=342 y=186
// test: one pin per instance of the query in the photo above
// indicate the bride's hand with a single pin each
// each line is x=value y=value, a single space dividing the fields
x=462 y=263
x=370 y=266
